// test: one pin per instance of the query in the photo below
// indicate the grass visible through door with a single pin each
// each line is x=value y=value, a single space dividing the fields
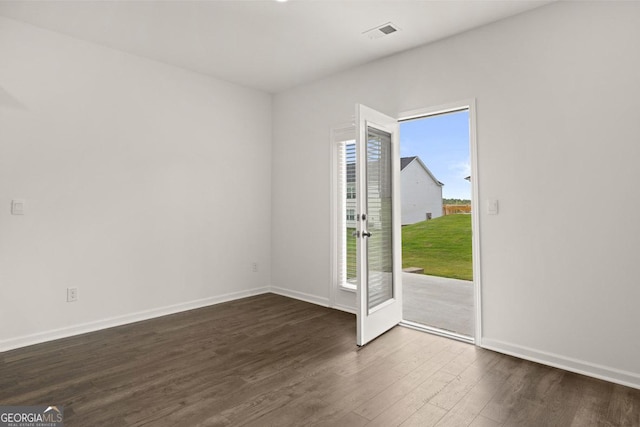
x=441 y=246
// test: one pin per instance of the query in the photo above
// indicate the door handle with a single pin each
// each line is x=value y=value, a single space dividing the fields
x=366 y=234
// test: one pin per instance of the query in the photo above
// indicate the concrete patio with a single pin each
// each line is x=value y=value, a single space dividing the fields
x=439 y=302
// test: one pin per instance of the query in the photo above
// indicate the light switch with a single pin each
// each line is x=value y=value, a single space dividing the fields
x=492 y=207
x=17 y=207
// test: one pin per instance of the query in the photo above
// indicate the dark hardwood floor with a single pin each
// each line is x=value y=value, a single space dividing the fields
x=274 y=361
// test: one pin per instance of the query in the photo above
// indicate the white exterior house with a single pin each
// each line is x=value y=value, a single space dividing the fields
x=421 y=192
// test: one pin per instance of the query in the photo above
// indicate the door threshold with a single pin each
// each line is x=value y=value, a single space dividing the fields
x=435 y=331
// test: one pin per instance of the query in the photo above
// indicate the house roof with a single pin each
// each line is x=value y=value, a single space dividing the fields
x=406 y=161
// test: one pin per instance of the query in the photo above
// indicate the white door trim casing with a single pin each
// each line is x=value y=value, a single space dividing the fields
x=469 y=104
x=342 y=299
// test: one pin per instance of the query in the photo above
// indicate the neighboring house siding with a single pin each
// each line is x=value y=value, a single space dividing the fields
x=421 y=194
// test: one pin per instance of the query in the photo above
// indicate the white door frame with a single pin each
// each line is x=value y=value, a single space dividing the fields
x=340 y=297
x=469 y=104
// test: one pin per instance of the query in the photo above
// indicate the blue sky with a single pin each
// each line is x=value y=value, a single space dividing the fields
x=442 y=143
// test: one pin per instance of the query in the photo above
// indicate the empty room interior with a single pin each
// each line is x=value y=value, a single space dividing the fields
x=167 y=211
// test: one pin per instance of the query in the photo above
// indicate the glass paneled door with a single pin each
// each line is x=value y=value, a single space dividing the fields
x=379 y=290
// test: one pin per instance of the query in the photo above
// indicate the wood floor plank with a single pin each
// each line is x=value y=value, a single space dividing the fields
x=270 y=360
x=428 y=415
x=398 y=413
x=481 y=421
x=624 y=409
x=506 y=399
x=406 y=385
x=460 y=386
x=343 y=419
x=467 y=409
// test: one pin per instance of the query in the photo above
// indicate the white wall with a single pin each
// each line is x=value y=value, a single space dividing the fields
x=420 y=194
x=146 y=186
x=558 y=102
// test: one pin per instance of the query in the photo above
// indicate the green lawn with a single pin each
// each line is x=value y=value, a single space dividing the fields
x=442 y=246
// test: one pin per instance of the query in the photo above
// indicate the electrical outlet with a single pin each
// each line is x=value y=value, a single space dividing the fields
x=72 y=294
x=17 y=207
x=254 y=267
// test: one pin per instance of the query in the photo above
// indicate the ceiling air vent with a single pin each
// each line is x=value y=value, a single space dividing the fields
x=381 y=30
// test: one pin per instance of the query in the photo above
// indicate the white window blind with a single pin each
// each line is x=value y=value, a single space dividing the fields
x=345 y=204
x=379 y=224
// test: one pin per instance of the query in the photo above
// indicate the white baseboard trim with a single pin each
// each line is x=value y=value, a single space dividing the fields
x=302 y=296
x=606 y=373
x=97 y=325
x=344 y=308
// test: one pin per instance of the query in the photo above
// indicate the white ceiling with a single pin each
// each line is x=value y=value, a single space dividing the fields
x=264 y=44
